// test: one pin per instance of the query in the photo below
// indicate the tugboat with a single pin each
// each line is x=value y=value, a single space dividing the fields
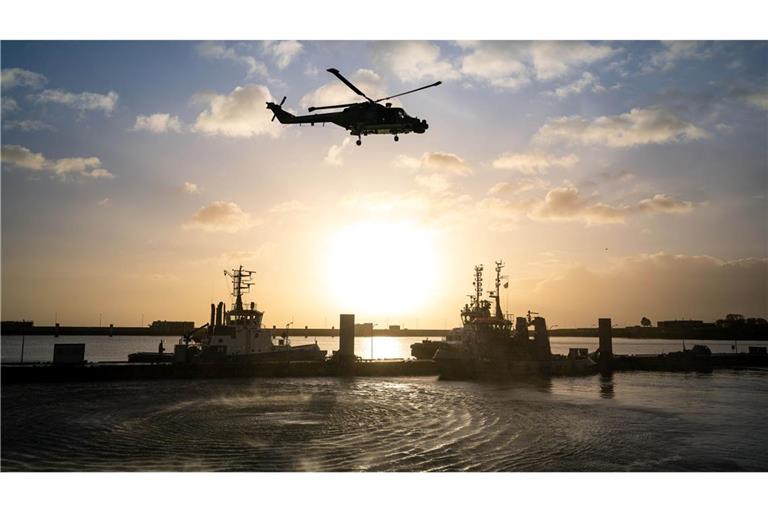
x=238 y=336
x=491 y=346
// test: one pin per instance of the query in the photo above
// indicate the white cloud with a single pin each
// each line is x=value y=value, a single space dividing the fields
x=499 y=63
x=79 y=101
x=241 y=113
x=634 y=128
x=436 y=161
x=533 y=162
x=674 y=51
x=221 y=216
x=222 y=51
x=334 y=156
x=293 y=205
x=553 y=59
x=104 y=202
x=283 y=52
x=412 y=61
x=758 y=98
x=586 y=81
x=517 y=186
x=22 y=158
x=435 y=182
x=158 y=123
x=189 y=188
x=17 y=77
x=335 y=92
x=662 y=203
x=565 y=204
x=28 y=125
x=513 y=64
x=9 y=105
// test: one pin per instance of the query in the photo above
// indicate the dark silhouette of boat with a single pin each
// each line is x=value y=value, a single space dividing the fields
x=491 y=346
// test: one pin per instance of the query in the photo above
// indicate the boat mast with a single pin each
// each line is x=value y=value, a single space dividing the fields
x=241 y=283
x=478 y=283
x=497 y=296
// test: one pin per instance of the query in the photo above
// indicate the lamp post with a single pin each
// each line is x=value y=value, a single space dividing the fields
x=22 y=340
x=373 y=326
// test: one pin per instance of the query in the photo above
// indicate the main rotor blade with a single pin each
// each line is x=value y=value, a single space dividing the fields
x=349 y=84
x=312 y=109
x=409 y=92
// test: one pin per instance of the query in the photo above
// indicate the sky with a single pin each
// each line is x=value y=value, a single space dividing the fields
x=613 y=178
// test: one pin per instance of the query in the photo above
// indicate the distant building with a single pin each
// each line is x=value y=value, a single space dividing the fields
x=16 y=324
x=394 y=327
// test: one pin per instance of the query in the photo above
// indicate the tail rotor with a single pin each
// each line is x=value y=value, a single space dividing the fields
x=280 y=105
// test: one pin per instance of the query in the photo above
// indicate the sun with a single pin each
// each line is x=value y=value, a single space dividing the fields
x=377 y=268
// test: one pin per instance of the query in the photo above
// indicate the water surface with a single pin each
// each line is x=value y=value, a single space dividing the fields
x=641 y=421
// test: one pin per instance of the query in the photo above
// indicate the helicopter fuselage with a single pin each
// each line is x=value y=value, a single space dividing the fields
x=360 y=119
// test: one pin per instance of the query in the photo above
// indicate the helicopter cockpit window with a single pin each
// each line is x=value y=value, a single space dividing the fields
x=400 y=114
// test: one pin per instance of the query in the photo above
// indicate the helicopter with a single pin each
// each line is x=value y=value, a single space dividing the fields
x=362 y=118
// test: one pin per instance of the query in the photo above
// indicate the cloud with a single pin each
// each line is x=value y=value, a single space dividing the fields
x=533 y=162
x=221 y=216
x=755 y=97
x=9 y=105
x=436 y=161
x=283 y=52
x=22 y=158
x=17 y=77
x=674 y=51
x=221 y=51
x=189 y=188
x=435 y=182
x=565 y=204
x=293 y=205
x=28 y=125
x=513 y=64
x=634 y=128
x=80 y=101
x=587 y=81
x=412 y=61
x=696 y=286
x=335 y=92
x=104 y=202
x=662 y=203
x=158 y=123
x=241 y=113
x=334 y=156
x=725 y=128
x=517 y=186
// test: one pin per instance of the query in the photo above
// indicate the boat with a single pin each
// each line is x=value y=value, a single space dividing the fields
x=492 y=346
x=237 y=335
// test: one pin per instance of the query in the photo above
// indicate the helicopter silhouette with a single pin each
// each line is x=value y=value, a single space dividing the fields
x=362 y=118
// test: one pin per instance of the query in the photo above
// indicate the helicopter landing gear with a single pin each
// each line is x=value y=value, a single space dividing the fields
x=358 y=141
x=397 y=138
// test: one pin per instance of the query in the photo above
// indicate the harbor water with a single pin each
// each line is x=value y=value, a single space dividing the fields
x=634 y=421
x=631 y=421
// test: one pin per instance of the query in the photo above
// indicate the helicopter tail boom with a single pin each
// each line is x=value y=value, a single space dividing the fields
x=278 y=112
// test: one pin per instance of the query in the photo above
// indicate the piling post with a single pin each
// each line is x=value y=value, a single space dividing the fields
x=606 y=342
x=56 y=331
x=541 y=339
x=346 y=343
